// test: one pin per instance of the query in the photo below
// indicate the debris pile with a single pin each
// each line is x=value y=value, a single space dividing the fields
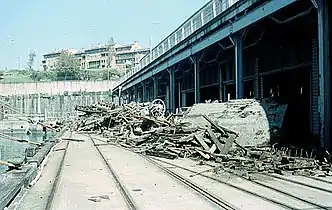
x=143 y=128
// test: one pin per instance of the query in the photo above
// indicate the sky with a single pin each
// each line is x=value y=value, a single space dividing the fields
x=44 y=26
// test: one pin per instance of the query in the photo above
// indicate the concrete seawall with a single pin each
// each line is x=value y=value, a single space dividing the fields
x=55 y=87
x=51 y=100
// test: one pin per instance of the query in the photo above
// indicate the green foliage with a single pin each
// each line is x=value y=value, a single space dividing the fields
x=67 y=67
x=15 y=77
x=43 y=76
x=100 y=74
x=95 y=74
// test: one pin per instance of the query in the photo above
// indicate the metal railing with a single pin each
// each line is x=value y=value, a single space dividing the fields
x=207 y=13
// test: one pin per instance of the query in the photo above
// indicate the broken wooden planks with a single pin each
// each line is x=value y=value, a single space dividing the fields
x=72 y=139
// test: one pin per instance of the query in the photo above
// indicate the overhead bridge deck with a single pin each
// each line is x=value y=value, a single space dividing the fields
x=224 y=18
x=234 y=49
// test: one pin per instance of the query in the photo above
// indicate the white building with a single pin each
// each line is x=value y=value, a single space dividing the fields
x=107 y=56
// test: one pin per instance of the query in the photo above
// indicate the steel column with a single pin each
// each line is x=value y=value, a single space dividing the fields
x=143 y=91
x=135 y=94
x=195 y=61
x=314 y=92
x=221 y=85
x=262 y=87
x=184 y=99
x=324 y=74
x=112 y=100
x=179 y=94
x=172 y=89
x=239 y=67
x=256 y=81
x=119 y=97
x=125 y=94
x=167 y=97
x=155 y=87
x=130 y=95
x=228 y=77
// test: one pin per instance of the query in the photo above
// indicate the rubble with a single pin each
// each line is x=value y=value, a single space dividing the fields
x=143 y=128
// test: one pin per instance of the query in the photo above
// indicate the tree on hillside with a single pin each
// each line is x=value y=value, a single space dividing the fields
x=111 y=74
x=67 y=67
x=31 y=60
x=42 y=76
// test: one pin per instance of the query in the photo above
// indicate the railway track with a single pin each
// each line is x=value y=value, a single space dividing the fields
x=208 y=195
x=226 y=205
x=55 y=184
x=205 y=193
x=126 y=196
x=219 y=202
x=266 y=198
x=178 y=172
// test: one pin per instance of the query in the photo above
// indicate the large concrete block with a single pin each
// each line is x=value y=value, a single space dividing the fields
x=252 y=119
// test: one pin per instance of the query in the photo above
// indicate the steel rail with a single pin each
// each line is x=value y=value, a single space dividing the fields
x=55 y=184
x=279 y=191
x=298 y=183
x=284 y=205
x=219 y=201
x=214 y=199
x=126 y=196
x=318 y=179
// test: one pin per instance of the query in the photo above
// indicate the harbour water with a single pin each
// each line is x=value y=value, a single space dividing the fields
x=12 y=149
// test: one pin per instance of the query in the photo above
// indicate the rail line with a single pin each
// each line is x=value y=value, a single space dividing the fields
x=279 y=191
x=221 y=202
x=55 y=184
x=126 y=196
x=200 y=190
x=318 y=179
x=214 y=199
x=251 y=192
x=153 y=161
x=298 y=183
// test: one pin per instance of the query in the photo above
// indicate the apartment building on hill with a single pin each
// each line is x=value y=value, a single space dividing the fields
x=101 y=57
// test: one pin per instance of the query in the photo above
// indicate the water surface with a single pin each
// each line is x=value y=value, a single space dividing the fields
x=11 y=149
